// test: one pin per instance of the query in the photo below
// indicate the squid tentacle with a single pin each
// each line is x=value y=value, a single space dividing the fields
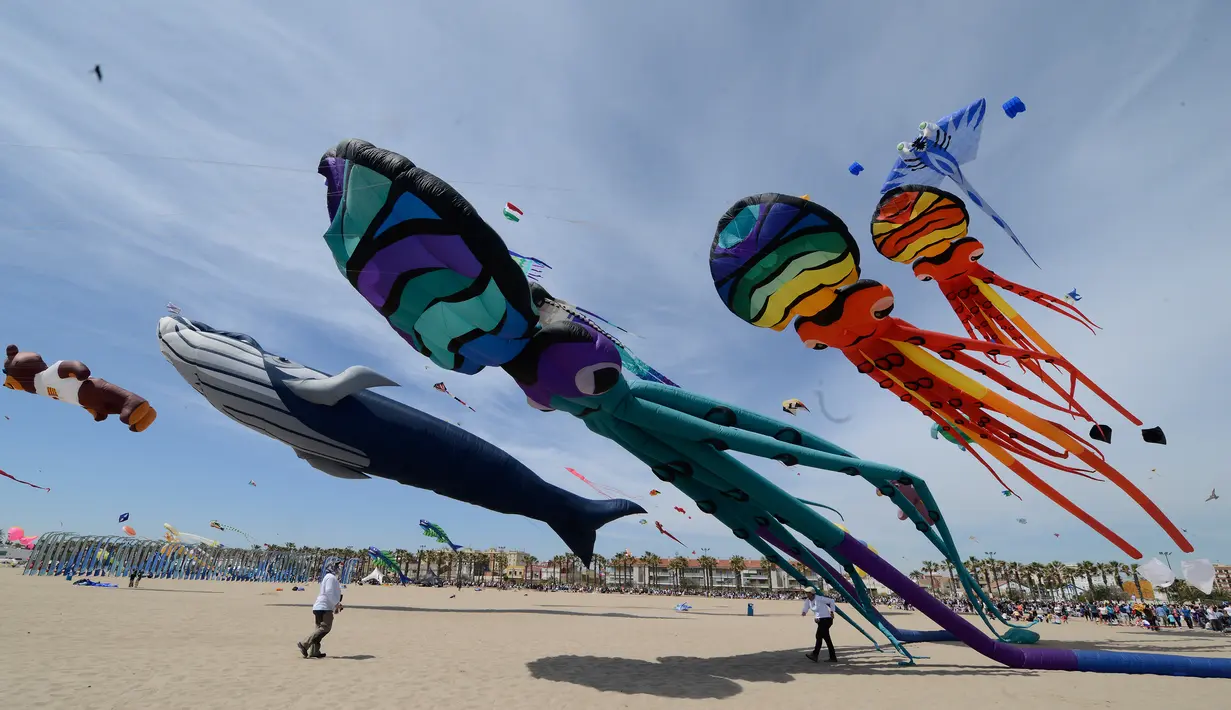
x=944 y=345
x=1074 y=407
x=656 y=455
x=696 y=437
x=705 y=408
x=1046 y=300
x=1002 y=332
x=713 y=463
x=1031 y=478
x=996 y=402
x=701 y=407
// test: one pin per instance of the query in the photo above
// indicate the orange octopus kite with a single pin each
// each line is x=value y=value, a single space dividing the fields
x=927 y=228
x=776 y=256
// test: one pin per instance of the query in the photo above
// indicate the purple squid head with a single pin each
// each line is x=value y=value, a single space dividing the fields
x=333 y=169
x=565 y=359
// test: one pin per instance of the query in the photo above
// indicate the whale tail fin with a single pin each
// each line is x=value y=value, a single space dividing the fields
x=580 y=531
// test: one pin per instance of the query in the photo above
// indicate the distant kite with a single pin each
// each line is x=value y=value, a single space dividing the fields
x=663 y=530
x=123 y=518
x=791 y=406
x=98 y=71
x=437 y=533
x=440 y=387
x=1213 y=495
x=41 y=488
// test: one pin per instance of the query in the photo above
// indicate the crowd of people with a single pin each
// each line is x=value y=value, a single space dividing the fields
x=1152 y=615
x=778 y=594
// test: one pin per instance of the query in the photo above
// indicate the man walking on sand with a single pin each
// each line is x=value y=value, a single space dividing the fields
x=328 y=603
x=822 y=608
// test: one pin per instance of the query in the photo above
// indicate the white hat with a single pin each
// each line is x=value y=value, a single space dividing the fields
x=810 y=590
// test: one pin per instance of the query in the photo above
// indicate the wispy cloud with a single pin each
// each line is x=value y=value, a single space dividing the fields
x=644 y=127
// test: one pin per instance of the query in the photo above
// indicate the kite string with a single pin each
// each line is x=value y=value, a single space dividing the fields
x=259 y=166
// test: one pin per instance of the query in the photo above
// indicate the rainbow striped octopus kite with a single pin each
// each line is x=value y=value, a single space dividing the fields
x=775 y=257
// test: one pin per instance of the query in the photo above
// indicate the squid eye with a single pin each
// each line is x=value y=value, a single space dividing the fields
x=882 y=308
x=923 y=277
x=538 y=406
x=976 y=255
x=597 y=379
x=815 y=345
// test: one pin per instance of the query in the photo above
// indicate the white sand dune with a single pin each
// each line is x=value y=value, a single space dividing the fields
x=232 y=645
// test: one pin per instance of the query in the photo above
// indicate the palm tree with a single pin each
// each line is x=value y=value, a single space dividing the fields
x=1104 y=569
x=801 y=568
x=737 y=566
x=620 y=560
x=652 y=561
x=707 y=565
x=530 y=560
x=1087 y=569
x=1015 y=569
x=1059 y=571
x=1132 y=569
x=767 y=566
x=952 y=576
x=973 y=566
x=499 y=562
x=930 y=568
x=558 y=563
x=678 y=564
x=1116 y=568
x=915 y=575
x=600 y=566
x=989 y=574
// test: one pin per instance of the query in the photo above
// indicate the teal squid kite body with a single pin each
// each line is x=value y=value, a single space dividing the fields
x=445 y=281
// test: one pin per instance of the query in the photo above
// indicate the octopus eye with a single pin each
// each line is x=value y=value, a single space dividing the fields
x=597 y=379
x=538 y=406
x=815 y=345
x=882 y=308
x=923 y=277
x=976 y=255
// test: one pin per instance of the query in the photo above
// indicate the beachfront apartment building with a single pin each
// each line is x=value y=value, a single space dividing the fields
x=720 y=578
x=1222 y=577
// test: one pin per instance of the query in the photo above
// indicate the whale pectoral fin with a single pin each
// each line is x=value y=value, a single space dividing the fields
x=333 y=468
x=331 y=390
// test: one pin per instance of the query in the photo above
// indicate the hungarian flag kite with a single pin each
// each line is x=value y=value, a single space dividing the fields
x=512 y=212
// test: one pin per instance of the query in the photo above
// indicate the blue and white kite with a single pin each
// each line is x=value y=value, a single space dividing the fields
x=940 y=151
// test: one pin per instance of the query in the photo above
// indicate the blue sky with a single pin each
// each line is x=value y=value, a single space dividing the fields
x=644 y=127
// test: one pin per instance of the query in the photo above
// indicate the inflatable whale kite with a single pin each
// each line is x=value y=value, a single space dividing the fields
x=340 y=427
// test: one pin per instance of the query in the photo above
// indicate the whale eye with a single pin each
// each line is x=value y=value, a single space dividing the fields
x=597 y=378
x=815 y=345
x=923 y=277
x=976 y=255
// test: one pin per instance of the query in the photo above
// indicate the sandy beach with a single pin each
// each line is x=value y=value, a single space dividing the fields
x=177 y=644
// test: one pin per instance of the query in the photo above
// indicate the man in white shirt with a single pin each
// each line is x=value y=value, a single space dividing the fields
x=822 y=608
x=328 y=603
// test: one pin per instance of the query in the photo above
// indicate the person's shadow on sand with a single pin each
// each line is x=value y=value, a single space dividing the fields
x=715 y=678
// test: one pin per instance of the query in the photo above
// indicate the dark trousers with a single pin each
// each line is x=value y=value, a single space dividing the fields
x=324 y=624
x=822 y=636
x=1188 y=620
